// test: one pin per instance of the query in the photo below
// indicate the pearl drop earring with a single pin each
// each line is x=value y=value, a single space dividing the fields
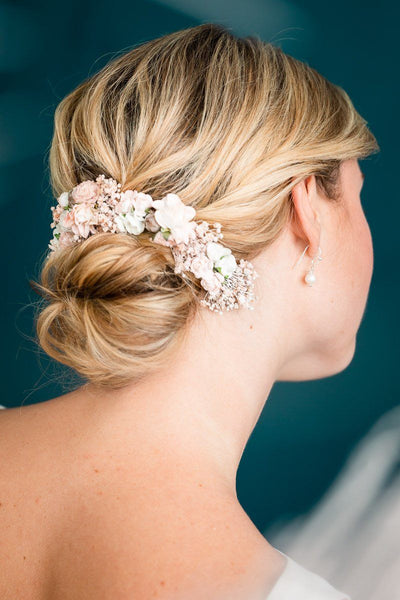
x=310 y=277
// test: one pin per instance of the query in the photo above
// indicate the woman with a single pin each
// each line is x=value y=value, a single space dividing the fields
x=125 y=486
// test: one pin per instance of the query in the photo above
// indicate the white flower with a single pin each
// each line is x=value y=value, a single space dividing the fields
x=142 y=201
x=57 y=230
x=120 y=223
x=134 y=200
x=222 y=258
x=216 y=251
x=174 y=215
x=130 y=223
x=227 y=264
x=54 y=244
x=60 y=225
x=127 y=201
x=63 y=199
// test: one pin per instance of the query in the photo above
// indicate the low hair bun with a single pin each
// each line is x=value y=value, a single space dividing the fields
x=113 y=307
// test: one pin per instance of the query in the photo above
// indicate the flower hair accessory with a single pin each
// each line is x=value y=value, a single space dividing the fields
x=99 y=206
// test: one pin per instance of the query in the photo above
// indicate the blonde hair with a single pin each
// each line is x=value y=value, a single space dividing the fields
x=231 y=125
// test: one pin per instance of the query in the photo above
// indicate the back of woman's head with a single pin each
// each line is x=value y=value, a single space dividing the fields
x=230 y=125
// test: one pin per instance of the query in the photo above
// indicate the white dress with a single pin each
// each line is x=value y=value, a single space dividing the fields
x=298 y=583
x=352 y=534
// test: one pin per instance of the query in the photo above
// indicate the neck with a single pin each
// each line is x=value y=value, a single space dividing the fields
x=205 y=405
x=201 y=409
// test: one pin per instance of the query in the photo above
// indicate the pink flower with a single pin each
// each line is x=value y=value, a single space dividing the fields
x=83 y=216
x=85 y=191
x=210 y=282
x=57 y=212
x=201 y=266
x=67 y=219
x=151 y=223
x=66 y=239
x=159 y=239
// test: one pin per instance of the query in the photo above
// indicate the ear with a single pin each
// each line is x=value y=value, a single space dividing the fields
x=306 y=224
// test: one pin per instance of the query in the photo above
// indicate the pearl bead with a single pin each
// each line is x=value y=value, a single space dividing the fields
x=310 y=278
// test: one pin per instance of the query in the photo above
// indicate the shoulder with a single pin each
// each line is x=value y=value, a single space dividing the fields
x=116 y=528
x=169 y=554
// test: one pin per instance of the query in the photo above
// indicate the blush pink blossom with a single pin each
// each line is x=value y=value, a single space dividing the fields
x=159 y=239
x=83 y=216
x=85 y=191
x=66 y=239
x=201 y=266
x=151 y=223
x=210 y=282
x=67 y=219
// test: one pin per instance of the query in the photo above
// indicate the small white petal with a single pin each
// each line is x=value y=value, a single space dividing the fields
x=63 y=199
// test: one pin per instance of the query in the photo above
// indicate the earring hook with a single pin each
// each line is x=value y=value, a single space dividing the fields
x=319 y=257
x=295 y=265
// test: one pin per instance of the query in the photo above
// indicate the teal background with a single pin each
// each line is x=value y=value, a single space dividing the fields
x=307 y=429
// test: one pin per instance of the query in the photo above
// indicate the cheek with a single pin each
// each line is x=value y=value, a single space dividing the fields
x=365 y=250
x=345 y=280
x=353 y=237
x=355 y=270
x=360 y=267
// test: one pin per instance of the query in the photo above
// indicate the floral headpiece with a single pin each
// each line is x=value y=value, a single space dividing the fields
x=99 y=206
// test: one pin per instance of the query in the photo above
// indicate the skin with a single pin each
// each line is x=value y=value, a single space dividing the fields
x=132 y=493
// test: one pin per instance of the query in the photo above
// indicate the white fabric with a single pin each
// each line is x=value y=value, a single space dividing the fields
x=351 y=537
x=298 y=583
